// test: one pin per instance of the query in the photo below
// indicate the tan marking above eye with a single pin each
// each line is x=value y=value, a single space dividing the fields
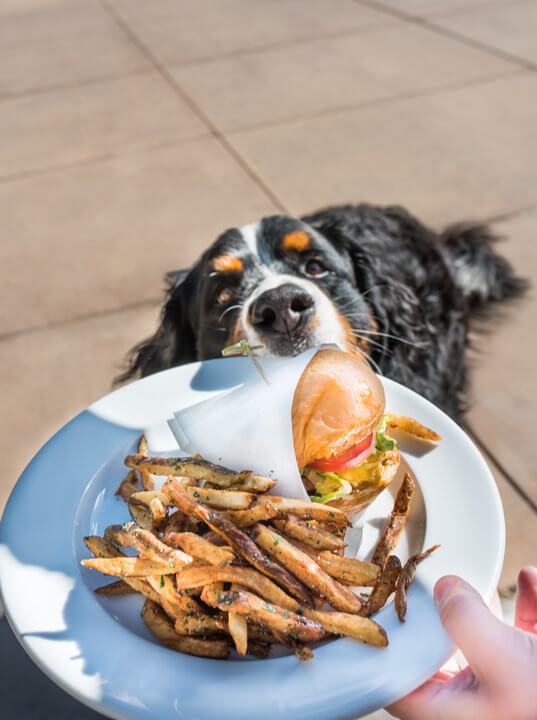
x=297 y=241
x=227 y=264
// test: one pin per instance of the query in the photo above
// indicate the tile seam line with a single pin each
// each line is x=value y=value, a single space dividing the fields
x=379 y=102
x=500 y=466
x=88 y=82
x=180 y=92
x=108 y=312
x=501 y=217
x=446 y=32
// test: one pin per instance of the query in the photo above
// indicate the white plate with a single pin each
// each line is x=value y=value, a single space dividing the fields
x=98 y=649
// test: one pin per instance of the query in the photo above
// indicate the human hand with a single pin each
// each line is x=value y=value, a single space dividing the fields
x=500 y=682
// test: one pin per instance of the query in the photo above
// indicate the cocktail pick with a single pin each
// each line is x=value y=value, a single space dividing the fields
x=242 y=348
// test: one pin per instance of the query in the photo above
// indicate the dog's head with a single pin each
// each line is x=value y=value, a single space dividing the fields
x=278 y=283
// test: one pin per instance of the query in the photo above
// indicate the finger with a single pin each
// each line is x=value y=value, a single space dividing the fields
x=491 y=648
x=441 y=701
x=417 y=704
x=526 y=600
x=495 y=606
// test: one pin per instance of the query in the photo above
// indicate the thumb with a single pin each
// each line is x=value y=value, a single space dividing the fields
x=526 y=600
x=486 y=642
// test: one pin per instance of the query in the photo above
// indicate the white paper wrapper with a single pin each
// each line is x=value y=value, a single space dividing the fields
x=250 y=427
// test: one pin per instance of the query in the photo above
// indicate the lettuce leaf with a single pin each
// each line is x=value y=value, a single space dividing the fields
x=384 y=442
x=329 y=487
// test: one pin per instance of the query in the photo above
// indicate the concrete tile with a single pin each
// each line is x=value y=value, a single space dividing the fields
x=460 y=153
x=50 y=376
x=102 y=235
x=521 y=533
x=300 y=79
x=428 y=8
x=77 y=123
x=511 y=27
x=504 y=386
x=178 y=31
x=57 y=42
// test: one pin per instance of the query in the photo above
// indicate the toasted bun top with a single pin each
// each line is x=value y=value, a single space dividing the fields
x=338 y=402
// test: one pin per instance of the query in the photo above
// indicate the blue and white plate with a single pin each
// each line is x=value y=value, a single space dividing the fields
x=99 y=650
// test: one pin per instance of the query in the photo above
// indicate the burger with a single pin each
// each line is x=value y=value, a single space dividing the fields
x=339 y=432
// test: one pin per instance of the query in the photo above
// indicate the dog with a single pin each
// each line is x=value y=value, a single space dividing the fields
x=374 y=280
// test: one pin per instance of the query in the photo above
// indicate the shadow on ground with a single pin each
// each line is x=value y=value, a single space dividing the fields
x=27 y=693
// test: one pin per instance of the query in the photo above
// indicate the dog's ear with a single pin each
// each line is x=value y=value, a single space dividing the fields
x=479 y=272
x=174 y=342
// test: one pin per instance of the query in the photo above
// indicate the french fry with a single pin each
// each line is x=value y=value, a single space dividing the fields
x=175 y=523
x=353 y=626
x=238 y=627
x=396 y=523
x=129 y=567
x=303 y=652
x=348 y=570
x=156 y=620
x=101 y=548
x=410 y=426
x=193 y=467
x=309 y=533
x=198 y=547
x=198 y=624
x=259 y=611
x=405 y=578
x=306 y=569
x=220 y=499
x=170 y=599
x=141 y=515
x=142 y=446
x=157 y=509
x=148 y=483
x=127 y=489
x=214 y=538
x=238 y=540
x=128 y=486
x=150 y=547
x=260 y=650
x=385 y=585
x=257 y=633
x=118 y=587
x=309 y=511
x=247 y=577
x=258 y=513
x=255 y=483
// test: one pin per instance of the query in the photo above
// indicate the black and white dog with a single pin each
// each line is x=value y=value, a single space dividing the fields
x=375 y=280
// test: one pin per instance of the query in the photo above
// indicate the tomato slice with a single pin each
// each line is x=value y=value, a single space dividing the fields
x=345 y=460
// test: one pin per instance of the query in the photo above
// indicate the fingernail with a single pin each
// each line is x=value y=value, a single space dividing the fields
x=444 y=587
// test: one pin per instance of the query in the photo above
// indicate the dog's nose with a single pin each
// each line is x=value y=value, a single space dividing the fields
x=282 y=309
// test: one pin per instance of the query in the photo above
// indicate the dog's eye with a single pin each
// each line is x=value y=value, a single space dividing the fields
x=314 y=268
x=225 y=295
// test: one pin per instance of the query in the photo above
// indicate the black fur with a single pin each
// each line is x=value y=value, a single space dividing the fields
x=421 y=290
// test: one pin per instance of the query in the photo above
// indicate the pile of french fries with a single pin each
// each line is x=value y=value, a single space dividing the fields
x=222 y=563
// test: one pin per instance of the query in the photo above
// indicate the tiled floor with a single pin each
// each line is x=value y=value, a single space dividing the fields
x=131 y=133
